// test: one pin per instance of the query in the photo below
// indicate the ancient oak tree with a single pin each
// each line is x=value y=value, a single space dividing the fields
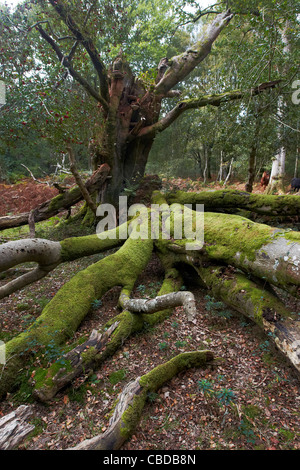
x=241 y=262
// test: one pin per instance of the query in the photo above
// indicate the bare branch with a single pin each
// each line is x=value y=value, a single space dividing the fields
x=180 y=66
x=204 y=100
x=87 y=43
x=66 y=63
x=174 y=299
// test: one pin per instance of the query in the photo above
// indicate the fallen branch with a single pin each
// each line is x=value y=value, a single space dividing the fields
x=132 y=400
x=174 y=299
x=224 y=200
x=14 y=429
x=78 y=361
x=59 y=203
x=33 y=177
x=242 y=294
x=48 y=382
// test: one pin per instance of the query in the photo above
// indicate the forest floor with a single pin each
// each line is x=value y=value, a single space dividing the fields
x=249 y=399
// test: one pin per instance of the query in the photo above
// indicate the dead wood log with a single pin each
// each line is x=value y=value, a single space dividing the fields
x=77 y=361
x=258 y=304
x=59 y=203
x=85 y=357
x=14 y=429
x=132 y=399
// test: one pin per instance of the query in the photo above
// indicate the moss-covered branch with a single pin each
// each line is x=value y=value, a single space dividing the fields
x=64 y=313
x=90 y=356
x=132 y=400
x=48 y=255
x=200 y=102
x=174 y=299
x=222 y=200
x=258 y=304
x=265 y=252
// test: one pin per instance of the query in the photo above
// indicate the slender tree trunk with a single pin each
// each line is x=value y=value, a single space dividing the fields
x=278 y=167
x=297 y=155
x=221 y=167
x=253 y=155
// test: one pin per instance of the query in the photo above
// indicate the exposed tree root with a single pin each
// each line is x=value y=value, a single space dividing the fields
x=268 y=254
x=131 y=401
x=101 y=345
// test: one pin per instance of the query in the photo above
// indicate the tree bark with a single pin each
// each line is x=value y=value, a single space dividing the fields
x=222 y=200
x=14 y=428
x=258 y=304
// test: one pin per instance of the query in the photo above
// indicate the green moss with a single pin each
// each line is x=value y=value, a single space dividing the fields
x=132 y=415
x=225 y=236
x=43 y=377
x=117 y=376
x=62 y=200
x=63 y=314
x=152 y=381
x=88 y=355
x=23 y=306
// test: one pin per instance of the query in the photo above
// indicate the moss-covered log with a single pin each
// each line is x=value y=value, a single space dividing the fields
x=265 y=252
x=269 y=254
x=258 y=304
x=92 y=353
x=223 y=200
x=161 y=302
x=48 y=255
x=64 y=313
x=59 y=203
x=131 y=401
